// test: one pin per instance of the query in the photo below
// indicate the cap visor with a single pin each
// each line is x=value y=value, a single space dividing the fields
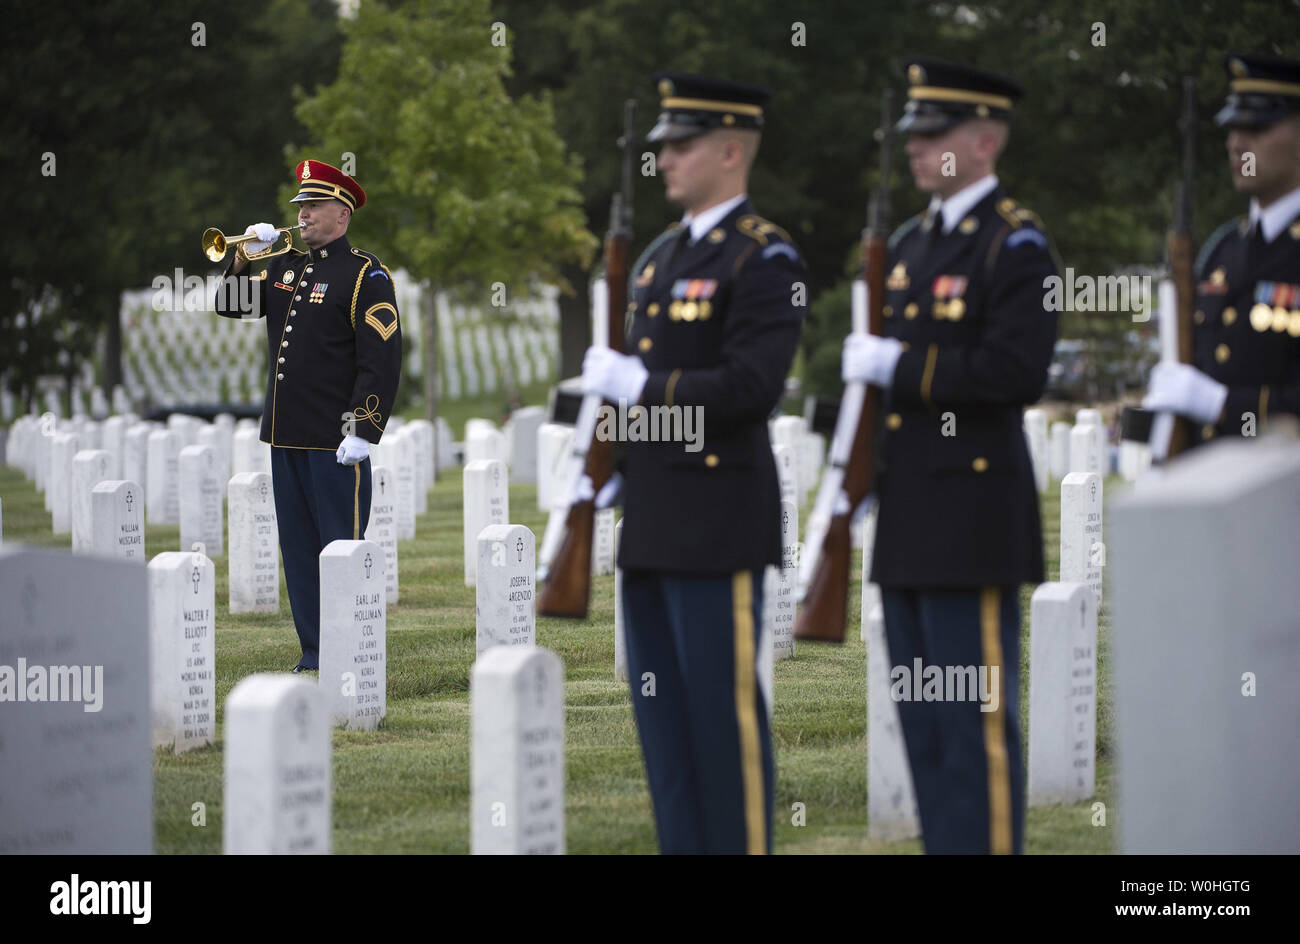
x=668 y=131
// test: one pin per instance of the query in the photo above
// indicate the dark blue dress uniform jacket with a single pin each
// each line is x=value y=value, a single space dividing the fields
x=961 y=510
x=723 y=342
x=334 y=345
x=1247 y=324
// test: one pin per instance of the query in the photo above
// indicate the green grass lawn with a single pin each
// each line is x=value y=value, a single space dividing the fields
x=405 y=787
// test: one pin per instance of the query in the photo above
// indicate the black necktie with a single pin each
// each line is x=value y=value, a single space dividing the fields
x=680 y=243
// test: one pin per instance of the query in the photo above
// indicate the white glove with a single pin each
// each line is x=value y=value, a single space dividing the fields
x=612 y=375
x=352 y=450
x=265 y=234
x=1181 y=388
x=609 y=492
x=869 y=359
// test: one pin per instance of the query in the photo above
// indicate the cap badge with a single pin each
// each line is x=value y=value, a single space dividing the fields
x=1237 y=68
x=665 y=88
x=916 y=74
x=306 y=170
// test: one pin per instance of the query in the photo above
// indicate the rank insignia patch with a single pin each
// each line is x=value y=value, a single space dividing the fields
x=318 y=292
x=383 y=318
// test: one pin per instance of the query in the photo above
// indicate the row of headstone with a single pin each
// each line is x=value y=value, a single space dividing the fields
x=800 y=463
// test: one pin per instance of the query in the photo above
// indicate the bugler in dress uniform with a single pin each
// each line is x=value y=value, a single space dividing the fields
x=334 y=352
x=1246 y=327
x=967 y=345
x=712 y=329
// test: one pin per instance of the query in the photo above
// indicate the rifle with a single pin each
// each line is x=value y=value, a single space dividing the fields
x=1172 y=434
x=846 y=482
x=565 y=559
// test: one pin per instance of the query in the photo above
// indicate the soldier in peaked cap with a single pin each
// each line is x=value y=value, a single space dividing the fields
x=966 y=347
x=334 y=355
x=1246 y=341
x=713 y=331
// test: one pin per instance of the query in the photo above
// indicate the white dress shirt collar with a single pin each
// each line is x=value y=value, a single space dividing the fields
x=1277 y=216
x=707 y=219
x=963 y=201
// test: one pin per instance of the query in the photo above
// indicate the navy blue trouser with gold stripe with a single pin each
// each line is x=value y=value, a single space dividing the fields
x=692 y=644
x=966 y=763
x=317 y=501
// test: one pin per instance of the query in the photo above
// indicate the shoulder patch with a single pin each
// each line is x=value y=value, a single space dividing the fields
x=380 y=271
x=1026 y=234
x=781 y=249
x=1213 y=243
x=760 y=230
x=902 y=232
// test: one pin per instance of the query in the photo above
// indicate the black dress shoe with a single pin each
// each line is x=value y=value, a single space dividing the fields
x=298 y=669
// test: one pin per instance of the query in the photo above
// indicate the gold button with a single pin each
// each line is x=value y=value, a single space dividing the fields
x=1199 y=317
x=652 y=309
x=1207 y=432
x=644 y=345
x=1229 y=315
x=711 y=460
x=631 y=306
x=1222 y=353
x=910 y=311
x=893 y=421
x=980 y=464
x=888 y=311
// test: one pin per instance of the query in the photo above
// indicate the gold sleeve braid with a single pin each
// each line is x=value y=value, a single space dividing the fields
x=356 y=293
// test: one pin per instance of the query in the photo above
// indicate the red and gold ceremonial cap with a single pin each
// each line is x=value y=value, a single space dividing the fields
x=320 y=181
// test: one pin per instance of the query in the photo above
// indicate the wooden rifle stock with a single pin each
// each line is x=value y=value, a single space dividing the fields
x=824 y=612
x=567 y=590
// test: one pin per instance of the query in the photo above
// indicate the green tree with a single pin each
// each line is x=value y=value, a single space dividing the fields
x=466 y=186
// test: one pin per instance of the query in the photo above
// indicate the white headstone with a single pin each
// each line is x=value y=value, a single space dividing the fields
x=162 y=493
x=789 y=431
x=553 y=441
x=135 y=455
x=1059 y=450
x=78 y=769
x=89 y=468
x=620 y=634
x=487 y=501
x=117 y=520
x=254 y=544
x=779 y=591
x=220 y=437
x=63 y=451
x=1062 y=694
x=353 y=634
x=1083 y=551
x=506 y=612
x=1036 y=435
x=602 y=543
x=201 y=489
x=446 y=453
x=382 y=527
x=786 y=475
x=517 y=752
x=891 y=800
x=247 y=452
x=277 y=768
x=1087 y=416
x=524 y=424
x=812 y=455
x=1207 y=651
x=113 y=441
x=422 y=433
x=870 y=591
x=182 y=663
x=399 y=455
x=483 y=443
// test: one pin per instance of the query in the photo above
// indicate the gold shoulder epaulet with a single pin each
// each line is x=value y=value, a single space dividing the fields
x=759 y=229
x=1007 y=210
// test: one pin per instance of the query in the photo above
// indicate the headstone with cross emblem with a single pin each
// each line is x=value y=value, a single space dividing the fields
x=602 y=543
x=277 y=768
x=786 y=474
x=353 y=633
x=1083 y=553
x=789 y=431
x=487 y=501
x=117 y=520
x=1062 y=694
x=891 y=799
x=784 y=579
x=201 y=490
x=74 y=726
x=89 y=468
x=382 y=527
x=183 y=688
x=506 y=611
x=254 y=544
x=517 y=752
x=162 y=493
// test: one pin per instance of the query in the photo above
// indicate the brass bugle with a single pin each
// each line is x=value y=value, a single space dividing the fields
x=216 y=243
